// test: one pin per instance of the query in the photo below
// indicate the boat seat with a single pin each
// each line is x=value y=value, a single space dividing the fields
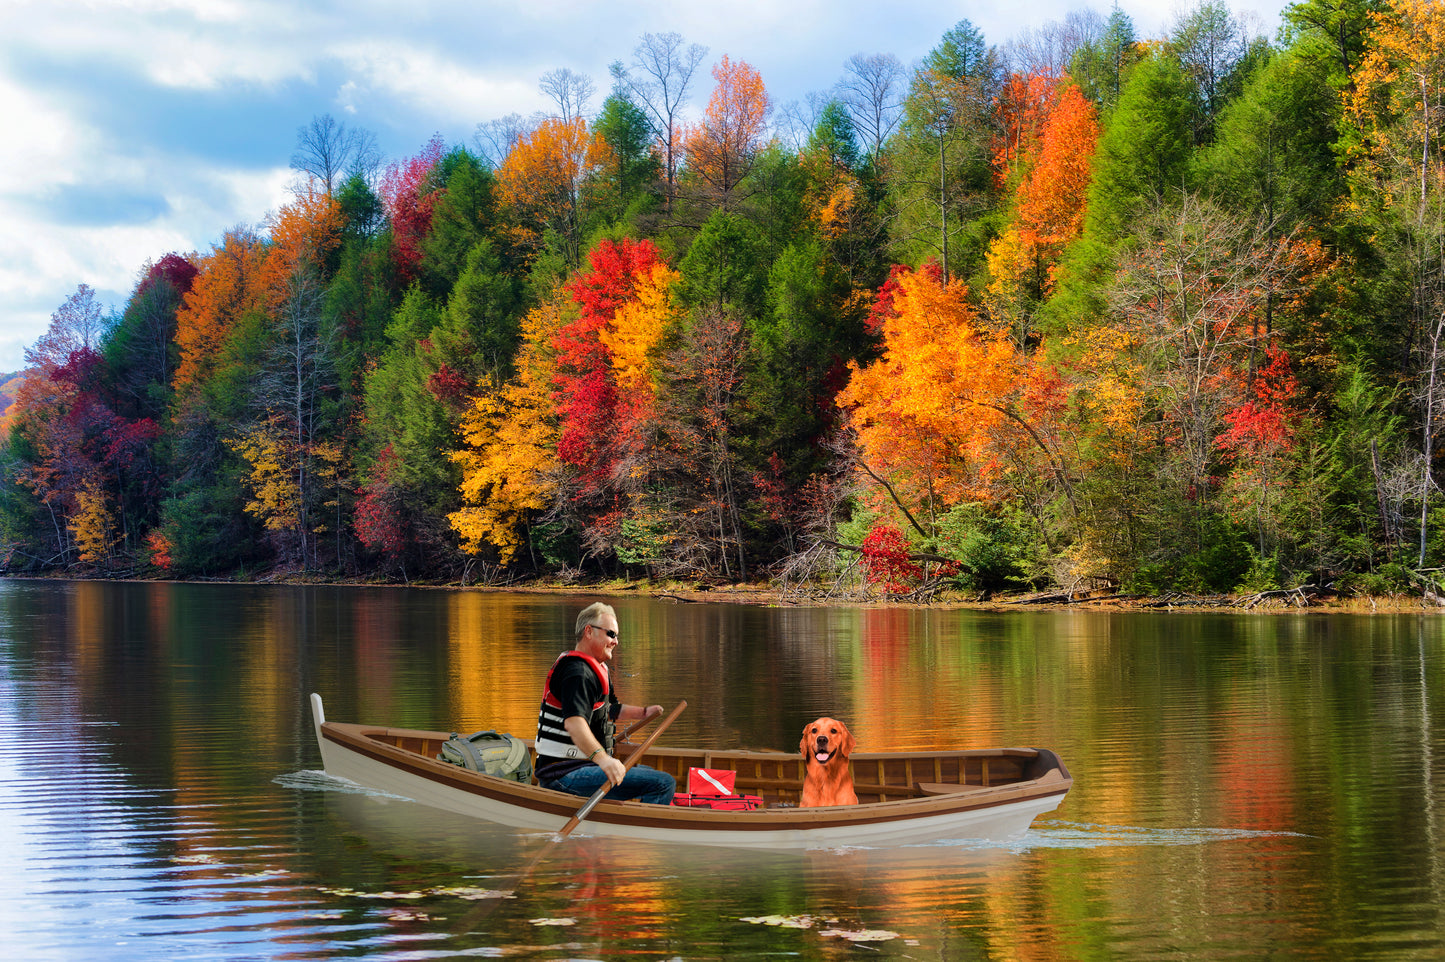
x=945 y=788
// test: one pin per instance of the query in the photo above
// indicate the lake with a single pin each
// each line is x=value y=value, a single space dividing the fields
x=1246 y=785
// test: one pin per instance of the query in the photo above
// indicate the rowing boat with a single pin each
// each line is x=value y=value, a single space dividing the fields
x=904 y=798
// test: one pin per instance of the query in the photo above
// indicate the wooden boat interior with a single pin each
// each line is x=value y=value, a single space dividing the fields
x=777 y=777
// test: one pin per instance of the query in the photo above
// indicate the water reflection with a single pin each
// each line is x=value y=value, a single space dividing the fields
x=1246 y=786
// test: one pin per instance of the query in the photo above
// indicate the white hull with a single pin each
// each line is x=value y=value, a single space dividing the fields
x=990 y=813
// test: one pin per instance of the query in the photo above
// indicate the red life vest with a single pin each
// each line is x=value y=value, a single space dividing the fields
x=597 y=666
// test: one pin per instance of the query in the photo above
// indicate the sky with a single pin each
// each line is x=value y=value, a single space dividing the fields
x=134 y=128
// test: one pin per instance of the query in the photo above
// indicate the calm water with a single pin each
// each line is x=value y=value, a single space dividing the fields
x=1246 y=786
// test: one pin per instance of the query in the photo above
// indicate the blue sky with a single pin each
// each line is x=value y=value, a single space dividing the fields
x=134 y=128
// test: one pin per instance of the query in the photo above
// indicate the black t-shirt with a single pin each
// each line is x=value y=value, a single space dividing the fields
x=578 y=688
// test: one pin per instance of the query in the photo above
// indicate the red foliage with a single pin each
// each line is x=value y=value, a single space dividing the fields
x=449 y=386
x=1264 y=423
x=379 y=523
x=883 y=309
x=612 y=281
x=886 y=561
x=159 y=547
x=172 y=268
x=128 y=441
x=409 y=200
x=595 y=421
x=773 y=494
x=82 y=369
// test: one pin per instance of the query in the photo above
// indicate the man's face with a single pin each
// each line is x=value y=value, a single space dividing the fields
x=600 y=638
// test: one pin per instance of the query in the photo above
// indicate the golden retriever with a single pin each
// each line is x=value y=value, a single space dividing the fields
x=827 y=779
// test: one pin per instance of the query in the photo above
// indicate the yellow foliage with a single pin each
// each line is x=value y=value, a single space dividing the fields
x=92 y=526
x=276 y=492
x=509 y=465
x=639 y=325
x=1395 y=101
x=1010 y=257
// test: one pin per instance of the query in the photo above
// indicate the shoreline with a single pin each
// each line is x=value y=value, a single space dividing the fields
x=1290 y=601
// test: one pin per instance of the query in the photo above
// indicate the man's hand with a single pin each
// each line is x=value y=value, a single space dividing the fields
x=613 y=768
x=651 y=711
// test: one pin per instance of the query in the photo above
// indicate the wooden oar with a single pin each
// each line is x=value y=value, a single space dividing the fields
x=632 y=759
x=486 y=908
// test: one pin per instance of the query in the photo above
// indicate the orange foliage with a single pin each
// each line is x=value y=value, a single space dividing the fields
x=304 y=234
x=929 y=413
x=542 y=178
x=1022 y=108
x=1051 y=200
x=1055 y=156
x=721 y=148
x=232 y=283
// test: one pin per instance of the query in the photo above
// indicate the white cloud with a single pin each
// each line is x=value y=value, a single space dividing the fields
x=429 y=84
x=39 y=140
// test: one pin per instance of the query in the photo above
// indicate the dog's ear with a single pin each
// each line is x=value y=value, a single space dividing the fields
x=848 y=742
x=803 y=745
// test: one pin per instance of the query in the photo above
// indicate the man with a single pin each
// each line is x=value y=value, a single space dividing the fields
x=578 y=715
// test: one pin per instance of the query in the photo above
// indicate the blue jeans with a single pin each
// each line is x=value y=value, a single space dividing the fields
x=643 y=783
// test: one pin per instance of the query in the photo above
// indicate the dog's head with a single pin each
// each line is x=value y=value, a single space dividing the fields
x=826 y=739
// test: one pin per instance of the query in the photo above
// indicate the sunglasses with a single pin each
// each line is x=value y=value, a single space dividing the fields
x=609 y=634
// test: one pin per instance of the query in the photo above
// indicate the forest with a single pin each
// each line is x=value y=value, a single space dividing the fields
x=1087 y=310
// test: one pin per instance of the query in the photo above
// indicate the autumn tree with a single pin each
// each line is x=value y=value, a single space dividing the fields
x=935 y=414
x=89 y=474
x=509 y=465
x=274 y=480
x=605 y=395
x=1051 y=203
x=543 y=180
x=1398 y=182
x=93 y=524
x=407 y=192
x=721 y=148
x=1192 y=298
x=229 y=293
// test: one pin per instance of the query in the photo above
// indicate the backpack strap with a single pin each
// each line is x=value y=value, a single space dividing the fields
x=465 y=744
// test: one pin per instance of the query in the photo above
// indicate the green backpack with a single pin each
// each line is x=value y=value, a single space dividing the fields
x=491 y=753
